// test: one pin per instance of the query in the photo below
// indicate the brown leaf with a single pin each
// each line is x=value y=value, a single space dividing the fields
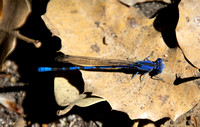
x=107 y=29
x=13 y=15
x=188 y=30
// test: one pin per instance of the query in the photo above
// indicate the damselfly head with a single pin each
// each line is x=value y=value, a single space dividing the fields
x=160 y=66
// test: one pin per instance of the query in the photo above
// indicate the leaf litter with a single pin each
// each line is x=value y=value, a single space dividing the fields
x=128 y=35
x=13 y=16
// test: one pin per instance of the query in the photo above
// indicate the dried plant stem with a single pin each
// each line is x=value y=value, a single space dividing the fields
x=71 y=105
x=37 y=43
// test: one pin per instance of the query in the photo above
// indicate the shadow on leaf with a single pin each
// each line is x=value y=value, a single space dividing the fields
x=166 y=22
x=180 y=80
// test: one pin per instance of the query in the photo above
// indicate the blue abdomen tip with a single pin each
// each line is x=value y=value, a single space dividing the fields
x=44 y=69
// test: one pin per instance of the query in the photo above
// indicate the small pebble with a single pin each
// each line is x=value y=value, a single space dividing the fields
x=165 y=55
x=171 y=122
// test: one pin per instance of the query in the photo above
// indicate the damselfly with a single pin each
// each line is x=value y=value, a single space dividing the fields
x=145 y=66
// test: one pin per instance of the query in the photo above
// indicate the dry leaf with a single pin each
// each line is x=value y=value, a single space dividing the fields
x=108 y=29
x=89 y=101
x=71 y=105
x=82 y=101
x=13 y=15
x=188 y=30
x=133 y=2
x=65 y=93
x=68 y=95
